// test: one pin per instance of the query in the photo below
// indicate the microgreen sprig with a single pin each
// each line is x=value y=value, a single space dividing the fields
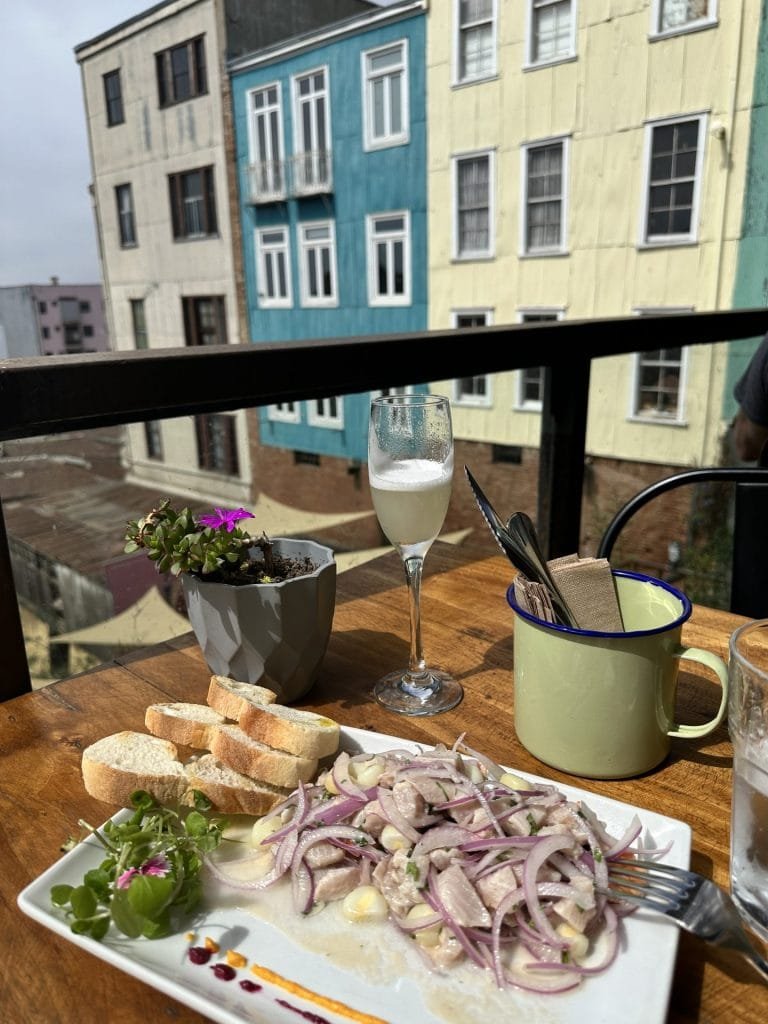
x=151 y=869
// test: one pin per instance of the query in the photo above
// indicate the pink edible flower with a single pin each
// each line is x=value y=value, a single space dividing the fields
x=154 y=866
x=226 y=517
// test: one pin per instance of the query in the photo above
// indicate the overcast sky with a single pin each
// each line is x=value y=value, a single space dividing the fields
x=46 y=222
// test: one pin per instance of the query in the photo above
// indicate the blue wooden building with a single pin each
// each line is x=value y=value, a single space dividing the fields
x=330 y=140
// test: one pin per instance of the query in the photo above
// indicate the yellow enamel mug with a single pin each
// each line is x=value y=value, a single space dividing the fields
x=602 y=705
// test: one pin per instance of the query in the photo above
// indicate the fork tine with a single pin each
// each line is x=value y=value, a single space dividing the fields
x=647 y=883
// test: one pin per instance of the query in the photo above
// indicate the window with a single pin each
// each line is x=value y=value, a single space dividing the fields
x=326 y=412
x=312 y=164
x=385 y=104
x=530 y=381
x=551 y=31
x=267 y=169
x=193 y=204
x=284 y=412
x=46 y=332
x=85 y=306
x=113 y=98
x=472 y=390
x=126 y=222
x=475 y=40
x=274 y=268
x=672 y=16
x=406 y=390
x=473 y=189
x=318 y=264
x=204 y=320
x=389 y=259
x=673 y=168
x=217 y=443
x=42 y=307
x=139 y=324
x=544 y=198
x=181 y=73
x=658 y=379
x=154 y=440
x=87 y=331
x=306 y=459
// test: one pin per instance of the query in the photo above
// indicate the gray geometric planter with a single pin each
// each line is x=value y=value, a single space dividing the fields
x=279 y=631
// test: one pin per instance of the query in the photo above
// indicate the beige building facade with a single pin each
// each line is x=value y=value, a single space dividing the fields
x=156 y=102
x=587 y=158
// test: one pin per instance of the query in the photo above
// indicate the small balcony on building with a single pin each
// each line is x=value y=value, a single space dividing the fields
x=306 y=174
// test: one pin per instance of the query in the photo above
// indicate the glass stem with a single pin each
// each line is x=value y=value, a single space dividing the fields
x=417 y=667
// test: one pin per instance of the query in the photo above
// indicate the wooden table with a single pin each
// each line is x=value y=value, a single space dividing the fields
x=467 y=628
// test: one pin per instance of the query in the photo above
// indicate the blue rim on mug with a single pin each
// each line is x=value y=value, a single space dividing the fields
x=641 y=577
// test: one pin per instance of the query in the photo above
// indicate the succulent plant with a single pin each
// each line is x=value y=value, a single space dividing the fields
x=209 y=546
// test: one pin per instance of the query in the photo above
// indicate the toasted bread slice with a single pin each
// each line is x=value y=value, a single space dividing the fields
x=231 y=792
x=117 y=765
x=190 y=725
x=300 y=732
x=229 y=696
x=258 y=760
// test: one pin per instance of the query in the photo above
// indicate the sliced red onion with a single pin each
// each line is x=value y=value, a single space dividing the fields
x=441 y=837
x=394 y=817
x=629 y=836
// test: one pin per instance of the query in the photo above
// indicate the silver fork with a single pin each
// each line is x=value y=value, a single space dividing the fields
x=690 y=900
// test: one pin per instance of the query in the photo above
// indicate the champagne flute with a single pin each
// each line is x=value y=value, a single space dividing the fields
x=410 y=466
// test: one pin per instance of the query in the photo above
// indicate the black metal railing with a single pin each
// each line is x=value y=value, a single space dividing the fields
x=56 y=394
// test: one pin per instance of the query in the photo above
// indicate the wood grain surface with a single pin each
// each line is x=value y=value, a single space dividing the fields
x=467 y=629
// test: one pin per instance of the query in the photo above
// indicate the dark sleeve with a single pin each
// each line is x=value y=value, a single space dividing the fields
x=751 y=390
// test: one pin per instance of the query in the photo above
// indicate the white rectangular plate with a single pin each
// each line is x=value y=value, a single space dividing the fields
x=370 y=968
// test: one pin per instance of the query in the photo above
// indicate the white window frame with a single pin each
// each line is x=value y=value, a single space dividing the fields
x=646 y=241
x=633 y=413
x=483 y=76
x=269 y=252
x=276 y=186
x=282 y=413
x=387 y=75
x=324 y=417
x=490 y=251
x=406 y=390
x=561 y=247
x=557 y=313
x=320 y=166
x=465 y=399
x=389 y=239
x=305 y=245
x=530 y=19
x=710 y=20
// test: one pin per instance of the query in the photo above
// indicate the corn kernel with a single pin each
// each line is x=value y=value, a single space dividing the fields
x=393 y=839
x=365 y=903
x=426 y=937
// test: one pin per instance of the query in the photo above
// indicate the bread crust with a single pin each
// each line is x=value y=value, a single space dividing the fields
x=229 y=696
x=115 y=766
x=189 y=725
x=258 y=761
x=299 y=732
x=231 y=792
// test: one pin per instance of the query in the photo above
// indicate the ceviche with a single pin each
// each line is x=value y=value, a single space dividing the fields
x=470 y=861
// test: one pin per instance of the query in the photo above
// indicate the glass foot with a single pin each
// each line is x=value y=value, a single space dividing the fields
x=436 y=691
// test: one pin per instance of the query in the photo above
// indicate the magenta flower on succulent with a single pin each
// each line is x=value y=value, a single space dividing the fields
x=225 y=517
x=158 y=866
x=211 y=546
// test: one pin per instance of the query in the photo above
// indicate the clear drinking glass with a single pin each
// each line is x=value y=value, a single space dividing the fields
x=410 y=468
x=748 y=726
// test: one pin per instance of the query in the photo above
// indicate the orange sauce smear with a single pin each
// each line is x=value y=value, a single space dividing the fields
x=305 y=993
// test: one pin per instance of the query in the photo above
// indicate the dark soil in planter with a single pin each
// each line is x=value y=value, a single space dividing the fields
x=282 y=569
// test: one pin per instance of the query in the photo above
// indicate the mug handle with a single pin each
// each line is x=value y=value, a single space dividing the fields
x=718 y=666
